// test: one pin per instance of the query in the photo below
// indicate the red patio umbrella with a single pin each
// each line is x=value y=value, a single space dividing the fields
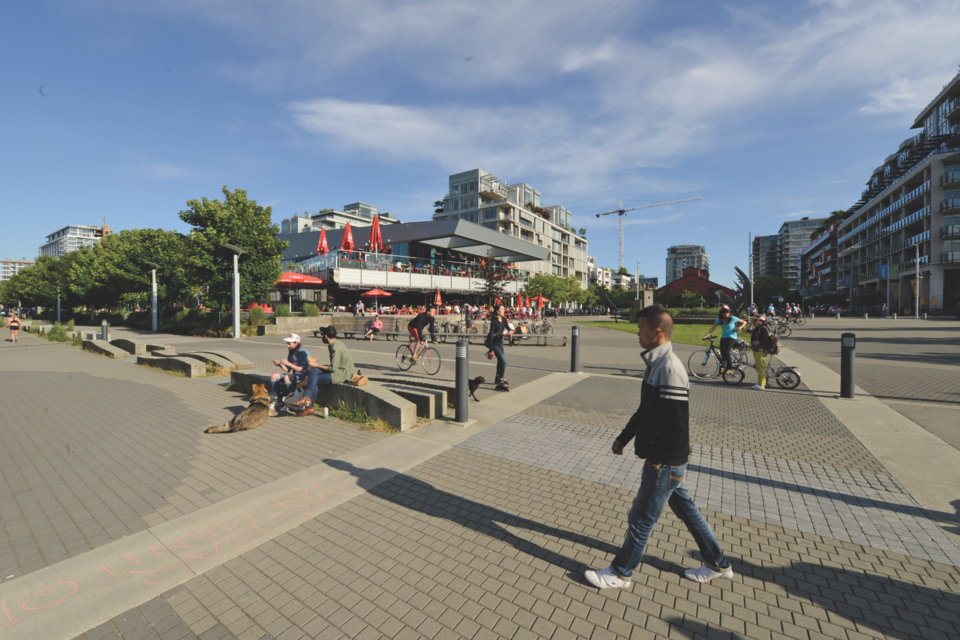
x=526 y=300
x=498 y=301
x=375 y=293
x=375 y=243
x=519 y=301
x=347 y=244
x=301 y=281
x=539 y=300
x=437 y=301
x=322 y=248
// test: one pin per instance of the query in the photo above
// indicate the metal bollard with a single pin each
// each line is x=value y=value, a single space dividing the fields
x=894 y=316
x=838 y=316
x=924 y=316
x=575 y=351
x=103 y=331
x=848 y=362
x=813 y=316
x=463 y=381
x=866 y=316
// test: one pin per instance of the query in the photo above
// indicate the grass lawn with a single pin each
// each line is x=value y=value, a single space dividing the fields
x=682 y=333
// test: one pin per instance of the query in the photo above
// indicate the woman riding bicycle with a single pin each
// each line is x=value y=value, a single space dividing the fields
x=420 y=322
x=730 y=324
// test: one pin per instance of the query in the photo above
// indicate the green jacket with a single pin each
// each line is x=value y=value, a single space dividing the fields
x=341 y=363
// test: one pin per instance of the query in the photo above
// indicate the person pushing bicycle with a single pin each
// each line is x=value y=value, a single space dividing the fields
x=420 y=322
x=730 y=325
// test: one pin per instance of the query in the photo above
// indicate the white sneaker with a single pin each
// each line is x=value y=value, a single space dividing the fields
x=757 y=387
x=606 y=579
x=274 y=412
x=706 y=573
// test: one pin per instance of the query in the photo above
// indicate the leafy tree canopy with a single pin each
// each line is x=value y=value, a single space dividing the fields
x=243 y=223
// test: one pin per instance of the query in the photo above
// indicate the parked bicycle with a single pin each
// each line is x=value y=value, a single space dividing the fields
x=786 y=377
x=428 y=356
x=705 y=364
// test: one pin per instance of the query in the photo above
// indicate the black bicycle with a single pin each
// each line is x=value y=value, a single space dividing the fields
x=705 y=364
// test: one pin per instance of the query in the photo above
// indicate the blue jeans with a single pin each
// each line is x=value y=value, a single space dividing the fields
x=314 y=377
x=501 y=360
x=659 y=487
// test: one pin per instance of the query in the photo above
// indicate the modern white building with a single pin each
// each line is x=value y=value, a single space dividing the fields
x=516 y=210
x=71 y=238
x=357 y=214
x=911 y=207
x=9 y=268
x=792 y=239
x=679 y=257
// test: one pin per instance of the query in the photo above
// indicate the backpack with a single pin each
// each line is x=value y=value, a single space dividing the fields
x=773 y=344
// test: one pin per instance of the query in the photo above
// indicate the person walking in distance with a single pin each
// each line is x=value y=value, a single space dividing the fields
x=660 y=429
x=730 y=325
x=14 y=326
x=759 y=337
x=494 y=342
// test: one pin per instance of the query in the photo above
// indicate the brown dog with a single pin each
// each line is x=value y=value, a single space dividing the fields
x=251 y=417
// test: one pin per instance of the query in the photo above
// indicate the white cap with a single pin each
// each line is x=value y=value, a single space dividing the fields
x=292 y=338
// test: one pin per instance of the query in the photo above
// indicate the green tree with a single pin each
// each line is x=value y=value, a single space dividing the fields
x=622 y=271
x=582 y=232
x=834 y=218
x=438 y=206
x=243 y=223
x=766 y=288
x=494 y=285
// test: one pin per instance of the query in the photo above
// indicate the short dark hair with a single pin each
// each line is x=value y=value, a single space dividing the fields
x=431 y=307
x=330 y=332
x=657 y=317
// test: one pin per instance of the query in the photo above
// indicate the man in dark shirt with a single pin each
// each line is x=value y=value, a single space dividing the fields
x=661 y=432
x=417 y=326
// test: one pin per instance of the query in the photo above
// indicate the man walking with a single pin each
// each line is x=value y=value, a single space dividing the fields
x=660 y=429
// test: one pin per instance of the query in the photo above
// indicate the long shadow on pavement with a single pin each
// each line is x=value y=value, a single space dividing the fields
x=411 y=493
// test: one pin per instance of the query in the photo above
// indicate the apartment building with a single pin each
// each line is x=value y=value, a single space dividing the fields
x=648 y=283
x=71 y=238
x=10 y=268
x=907 y=221
x=766 y=256
x=680 y=257
x=357 y=214
x=818 y=265
x=516 y=210
x=793 y=238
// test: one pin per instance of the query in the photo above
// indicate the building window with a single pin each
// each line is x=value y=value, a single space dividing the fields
x=691 y=284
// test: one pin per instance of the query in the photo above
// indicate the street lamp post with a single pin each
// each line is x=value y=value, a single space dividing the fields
x=237 y=252
x=58 y=304
x=638 y=279
x=916 y=294
x=153 y=293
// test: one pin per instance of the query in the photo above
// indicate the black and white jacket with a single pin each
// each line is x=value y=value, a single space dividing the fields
x=661 y=425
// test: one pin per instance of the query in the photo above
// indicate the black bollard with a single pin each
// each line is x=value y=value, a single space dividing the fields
x=848 y=361
x=463 y=381
x=104 y=335
x=575 y=350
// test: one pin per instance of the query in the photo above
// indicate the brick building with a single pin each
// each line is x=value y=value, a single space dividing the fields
x=698 y=280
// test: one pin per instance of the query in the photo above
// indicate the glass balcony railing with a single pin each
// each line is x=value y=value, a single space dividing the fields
x=886 y=211
x=950 y=178
x=950 y=204
x=950 y=257
x=950 y=231
x=911 y=264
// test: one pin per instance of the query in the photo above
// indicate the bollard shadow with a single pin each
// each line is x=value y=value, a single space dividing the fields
x=893 y=608
x=412 y=493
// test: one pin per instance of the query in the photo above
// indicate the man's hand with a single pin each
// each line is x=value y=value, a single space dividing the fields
x=617 y=448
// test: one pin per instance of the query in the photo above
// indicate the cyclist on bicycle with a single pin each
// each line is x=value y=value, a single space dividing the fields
x=730 y=325
x=420 y=322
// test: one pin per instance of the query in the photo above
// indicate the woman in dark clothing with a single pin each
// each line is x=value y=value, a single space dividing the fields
x=494 y=342
x=14 y=325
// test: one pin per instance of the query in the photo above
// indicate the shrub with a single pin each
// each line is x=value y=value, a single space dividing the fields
x=58 y=333
x=70 y=325
x=311 y=310
x=283 y=310
x=181 y=315
x=77 y=339
x=257 y=317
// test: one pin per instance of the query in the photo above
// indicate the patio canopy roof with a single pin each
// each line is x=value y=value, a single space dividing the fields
x=458 y=235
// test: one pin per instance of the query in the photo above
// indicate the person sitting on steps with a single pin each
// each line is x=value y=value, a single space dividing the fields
x=339 y=370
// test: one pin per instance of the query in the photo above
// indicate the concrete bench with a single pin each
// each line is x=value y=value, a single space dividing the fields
x=191 y=367
x=104 y=349
x=209 y=358
x=374 y=398
x=131 y=347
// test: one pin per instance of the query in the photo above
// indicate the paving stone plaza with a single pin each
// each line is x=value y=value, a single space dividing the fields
x=122 y=519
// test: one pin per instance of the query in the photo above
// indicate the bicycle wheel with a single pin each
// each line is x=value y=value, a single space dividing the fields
x=788 y=379
x=784 y=331
x=800 y=321
x=548 y=330
x=734 y=376
x=703 y=364
x=430 y=360
x=404 y=357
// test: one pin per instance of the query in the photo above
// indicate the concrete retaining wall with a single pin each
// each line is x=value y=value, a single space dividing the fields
x=217 y=361
x=238 y=361
x=191 y=367
x=104 y=348
x=374 y=398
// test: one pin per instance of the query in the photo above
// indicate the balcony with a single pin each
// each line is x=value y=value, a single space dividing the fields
x=950 y=231
x=950 y=179
x=950 y=204
x=912 y=264
x=950 y=257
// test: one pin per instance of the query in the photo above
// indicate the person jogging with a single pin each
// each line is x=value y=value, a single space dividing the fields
x=14 y=325
x=730 y=325
x=420 y=322
x=660 y=429
x=494 y=342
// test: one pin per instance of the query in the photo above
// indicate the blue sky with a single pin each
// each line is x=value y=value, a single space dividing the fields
x=768 y=111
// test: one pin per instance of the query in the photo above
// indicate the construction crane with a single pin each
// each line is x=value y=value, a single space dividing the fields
x=621 y=214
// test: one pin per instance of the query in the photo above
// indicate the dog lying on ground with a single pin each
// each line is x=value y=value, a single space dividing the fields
x=475 y=384
x=251 y=417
